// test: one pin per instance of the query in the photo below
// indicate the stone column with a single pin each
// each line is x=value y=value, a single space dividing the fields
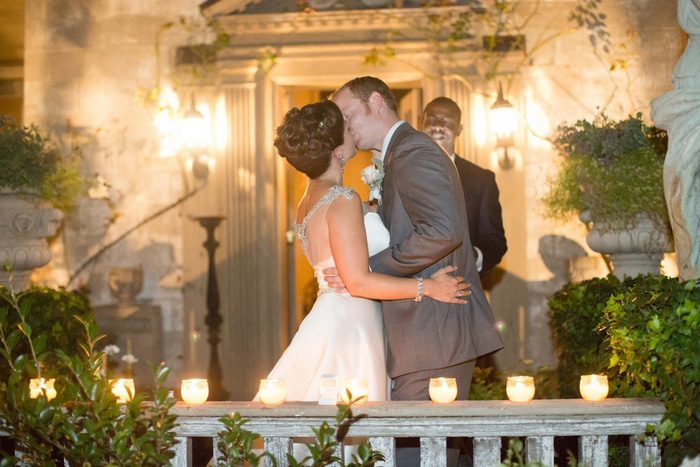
x=678 y=112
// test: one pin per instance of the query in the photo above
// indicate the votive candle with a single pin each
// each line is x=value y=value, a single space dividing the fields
x=443 y=390
x=194 y=391
x=328 y=390
x=594 y=388
x=39 y=386
x=123 y=388
x=358 y=388
x=272 y=391
x=520 y=388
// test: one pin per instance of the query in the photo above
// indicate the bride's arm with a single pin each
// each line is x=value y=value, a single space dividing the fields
x=346 y=232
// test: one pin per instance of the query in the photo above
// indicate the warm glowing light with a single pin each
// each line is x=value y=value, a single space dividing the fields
x=272 y=391
x=443 y=390
x=520 y=388
x=194 y=391
x=503 y=117
x=358 y=389
x=123 y=388
x=195 y=131
x=594 y=388
x=41 y=386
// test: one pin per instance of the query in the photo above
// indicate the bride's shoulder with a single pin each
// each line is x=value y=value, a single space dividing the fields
x=343 y=195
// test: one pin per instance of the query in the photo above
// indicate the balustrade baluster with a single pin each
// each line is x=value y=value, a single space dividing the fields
x=433 y=452
x=593 y=450
x=387 y=446
x=540 y=449
x=278 y=447
x=487 y=450
x=644 y=451
x=183 y=452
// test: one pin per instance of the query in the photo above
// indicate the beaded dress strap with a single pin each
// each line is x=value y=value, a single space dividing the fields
x=332 y=193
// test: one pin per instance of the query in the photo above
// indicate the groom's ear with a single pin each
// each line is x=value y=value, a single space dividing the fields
x=375 y=101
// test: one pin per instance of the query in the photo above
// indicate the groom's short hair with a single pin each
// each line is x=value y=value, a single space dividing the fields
x=364 y=86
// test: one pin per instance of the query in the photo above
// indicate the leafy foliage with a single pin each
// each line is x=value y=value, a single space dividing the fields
x=83 y=424
x=654 y=326
x=236 y=443
x=577 y=322
x=643 y=332
x=52 y=316
x=33 y=162
x=612 y=168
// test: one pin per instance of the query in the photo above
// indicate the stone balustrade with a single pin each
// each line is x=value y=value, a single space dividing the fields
x=486 y=422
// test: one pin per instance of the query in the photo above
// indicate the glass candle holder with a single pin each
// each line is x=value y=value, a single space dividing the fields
x=123 y=388
x=272 y=391
x=328 y=390
x=594 y=388
x=39 y=386
x=358 y=388
x=520 y=388
x=194 y=391
x=443 y=390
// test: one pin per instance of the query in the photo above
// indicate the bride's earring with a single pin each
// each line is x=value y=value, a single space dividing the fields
x=342 y=165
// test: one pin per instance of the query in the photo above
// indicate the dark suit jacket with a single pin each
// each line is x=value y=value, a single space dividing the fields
x=423 y=208
x=483 y=212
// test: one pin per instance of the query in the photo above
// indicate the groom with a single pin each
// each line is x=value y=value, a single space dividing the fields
x=423 y=207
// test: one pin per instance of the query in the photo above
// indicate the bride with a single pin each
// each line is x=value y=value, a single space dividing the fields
x=343 y=334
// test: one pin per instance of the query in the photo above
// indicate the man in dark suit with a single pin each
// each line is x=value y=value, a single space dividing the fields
x=441 y=119
x=422 y=205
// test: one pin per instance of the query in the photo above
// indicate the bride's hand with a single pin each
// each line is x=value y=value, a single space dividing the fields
x=446 y=288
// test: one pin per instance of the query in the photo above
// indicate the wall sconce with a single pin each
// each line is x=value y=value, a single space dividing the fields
x=503 y=119
x=195 y=134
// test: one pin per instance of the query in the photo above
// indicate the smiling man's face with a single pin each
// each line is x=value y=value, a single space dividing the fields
x=442 y=123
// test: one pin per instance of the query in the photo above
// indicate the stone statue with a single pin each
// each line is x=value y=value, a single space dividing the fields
x=678 y=112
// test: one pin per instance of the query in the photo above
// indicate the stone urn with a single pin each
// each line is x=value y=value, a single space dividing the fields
x=25 y=224
x=637 y=249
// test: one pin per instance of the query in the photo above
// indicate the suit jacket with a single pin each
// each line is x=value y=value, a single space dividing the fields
x=483 y=212
x=423 y=208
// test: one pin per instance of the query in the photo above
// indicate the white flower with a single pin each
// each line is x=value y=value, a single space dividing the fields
x=111 y=349
x=372 y=176
x=130 y=359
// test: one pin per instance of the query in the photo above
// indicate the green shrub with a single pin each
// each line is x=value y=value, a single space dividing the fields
x=644 y=333
x=654 y=336
x=612 y=168
x=33 y=162
x=577 y=322
x=83 y=424
x=52 y=315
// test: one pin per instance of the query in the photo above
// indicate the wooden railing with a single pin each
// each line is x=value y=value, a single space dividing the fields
x=486 y=422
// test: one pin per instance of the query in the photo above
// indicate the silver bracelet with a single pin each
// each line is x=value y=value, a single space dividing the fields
x=419 y=294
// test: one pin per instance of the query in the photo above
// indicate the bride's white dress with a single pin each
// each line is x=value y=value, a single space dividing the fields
x=342 y=335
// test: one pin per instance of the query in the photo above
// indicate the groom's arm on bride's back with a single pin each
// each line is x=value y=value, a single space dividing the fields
x=419 y=178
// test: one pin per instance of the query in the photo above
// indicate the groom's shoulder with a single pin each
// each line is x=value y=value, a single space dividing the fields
x=406 y=135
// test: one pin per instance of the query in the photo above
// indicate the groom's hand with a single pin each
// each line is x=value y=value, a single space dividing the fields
x=330 y=275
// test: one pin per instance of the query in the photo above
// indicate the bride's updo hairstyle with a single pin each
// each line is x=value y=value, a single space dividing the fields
x=308 y=136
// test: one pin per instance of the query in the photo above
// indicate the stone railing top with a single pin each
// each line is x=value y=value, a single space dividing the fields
x=405 y=409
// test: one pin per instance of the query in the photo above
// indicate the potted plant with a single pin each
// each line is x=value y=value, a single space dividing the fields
x=612 y=177
x=37 y=181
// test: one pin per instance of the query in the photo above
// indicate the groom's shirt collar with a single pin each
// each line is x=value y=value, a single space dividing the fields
x=387 y=138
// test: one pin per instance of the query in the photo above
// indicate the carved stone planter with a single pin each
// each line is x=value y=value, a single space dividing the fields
x=25 y=224
x=638 y=249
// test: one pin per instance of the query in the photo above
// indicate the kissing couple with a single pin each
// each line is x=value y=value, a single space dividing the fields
x=414 y=255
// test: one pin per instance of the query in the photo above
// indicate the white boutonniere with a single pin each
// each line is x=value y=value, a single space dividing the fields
x=372 y=175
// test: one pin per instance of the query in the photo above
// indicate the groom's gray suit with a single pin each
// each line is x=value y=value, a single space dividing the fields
x=423 y=208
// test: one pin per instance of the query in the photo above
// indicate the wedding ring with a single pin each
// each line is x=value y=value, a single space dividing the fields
x=459 y=293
